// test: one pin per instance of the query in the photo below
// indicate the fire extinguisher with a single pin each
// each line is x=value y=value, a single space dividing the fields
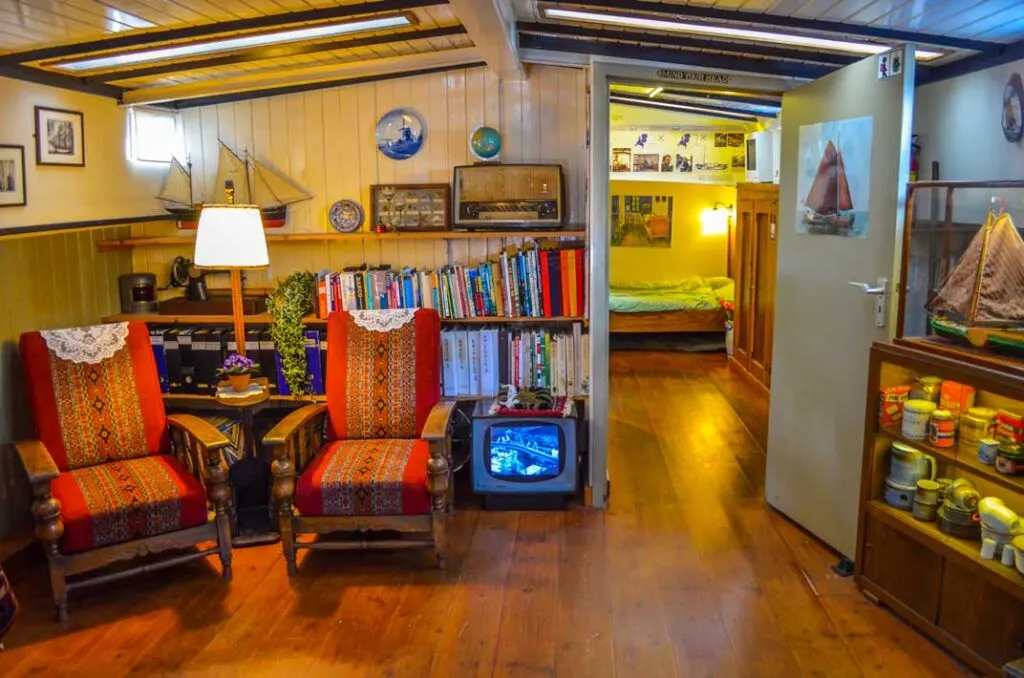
x=915 y=152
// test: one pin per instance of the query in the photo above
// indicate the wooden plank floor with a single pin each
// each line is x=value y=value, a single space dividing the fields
x=688 y=573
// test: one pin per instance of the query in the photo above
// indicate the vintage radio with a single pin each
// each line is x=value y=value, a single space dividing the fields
x=493 y=196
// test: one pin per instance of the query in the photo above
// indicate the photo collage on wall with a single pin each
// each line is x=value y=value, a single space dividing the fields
x=641 y=221
x=691 y=156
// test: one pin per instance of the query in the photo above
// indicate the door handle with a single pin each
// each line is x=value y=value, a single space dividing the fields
x=868 y=289
x=878 y=291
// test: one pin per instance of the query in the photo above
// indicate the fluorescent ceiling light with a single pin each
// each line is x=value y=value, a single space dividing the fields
x=656 y=91
x=317 y=32
x=738 y=115
x=794 y=39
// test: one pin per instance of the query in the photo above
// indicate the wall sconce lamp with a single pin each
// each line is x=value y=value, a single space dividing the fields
x=716 y=221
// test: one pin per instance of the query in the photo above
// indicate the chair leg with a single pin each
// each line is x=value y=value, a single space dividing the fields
x=224 y=544
x=287 y=536
x=438 y=525
x=58 y=584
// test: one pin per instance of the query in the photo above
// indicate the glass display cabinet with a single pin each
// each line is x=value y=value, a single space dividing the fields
x=942 y=489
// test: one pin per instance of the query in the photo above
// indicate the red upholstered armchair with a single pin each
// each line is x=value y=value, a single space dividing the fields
x=377 y=455
x=114 y=477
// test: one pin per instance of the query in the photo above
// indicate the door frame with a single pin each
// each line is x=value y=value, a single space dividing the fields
x=602 y=72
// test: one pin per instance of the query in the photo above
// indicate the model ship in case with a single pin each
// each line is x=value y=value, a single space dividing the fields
x=982 y=299
x=493 y=196
x=254 y=182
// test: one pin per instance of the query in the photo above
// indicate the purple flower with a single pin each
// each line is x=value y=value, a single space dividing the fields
x=239 y=364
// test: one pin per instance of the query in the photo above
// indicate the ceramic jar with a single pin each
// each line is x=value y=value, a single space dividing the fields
x=942 y=429
x=916 y=414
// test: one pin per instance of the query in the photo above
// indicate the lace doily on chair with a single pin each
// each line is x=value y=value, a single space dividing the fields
x=384 y=319
x=89 y=345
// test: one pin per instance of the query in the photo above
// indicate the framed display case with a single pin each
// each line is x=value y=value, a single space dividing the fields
x=919 y=549
x=411 y=207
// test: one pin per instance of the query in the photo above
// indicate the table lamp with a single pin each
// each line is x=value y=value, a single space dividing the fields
x=231 y=237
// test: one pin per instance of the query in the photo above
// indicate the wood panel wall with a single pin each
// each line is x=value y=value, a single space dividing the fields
x=324 y=140
x=48 y=281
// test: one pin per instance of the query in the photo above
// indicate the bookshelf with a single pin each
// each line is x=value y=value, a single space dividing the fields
x=307 y=238
x=264 y=319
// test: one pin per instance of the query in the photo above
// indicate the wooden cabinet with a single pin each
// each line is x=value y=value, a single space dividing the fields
x=753 y=268
x=937 y=582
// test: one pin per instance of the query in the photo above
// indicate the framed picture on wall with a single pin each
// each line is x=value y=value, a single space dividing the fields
x=60 y=137
x=12 y=176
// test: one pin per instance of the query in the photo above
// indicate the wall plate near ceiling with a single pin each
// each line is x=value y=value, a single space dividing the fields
x=1013 y=109
x=400 y=133
x=346 y=216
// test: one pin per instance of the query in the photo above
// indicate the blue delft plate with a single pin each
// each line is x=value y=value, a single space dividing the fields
x=400 y=134
x=346 y=216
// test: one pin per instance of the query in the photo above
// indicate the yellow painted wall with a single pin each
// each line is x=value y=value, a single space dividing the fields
x=109 y=186
x=691 y=252
x=49 y=281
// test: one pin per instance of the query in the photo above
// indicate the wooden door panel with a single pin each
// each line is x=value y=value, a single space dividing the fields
x=902 y=567
x=981 y=616
x=741 y=319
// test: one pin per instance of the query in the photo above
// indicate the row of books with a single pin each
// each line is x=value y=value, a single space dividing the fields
x=532 y=283
x=187 y=358
x=476 y=362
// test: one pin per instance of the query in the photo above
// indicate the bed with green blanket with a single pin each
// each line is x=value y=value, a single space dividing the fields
x=690 y=304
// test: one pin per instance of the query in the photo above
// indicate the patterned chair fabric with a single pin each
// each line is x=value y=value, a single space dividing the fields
x=94 y=394
x=125 y=500
x=366 y=478
x=383 y=373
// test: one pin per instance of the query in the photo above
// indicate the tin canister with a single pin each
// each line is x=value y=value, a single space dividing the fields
x=977 y=423
x=988 y=449
x=1009 y=427
x=916 y=414
x=928 y=388
x=1011 y=466
x=942 y=429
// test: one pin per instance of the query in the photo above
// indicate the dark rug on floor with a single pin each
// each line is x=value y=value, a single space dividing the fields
x=681 y=342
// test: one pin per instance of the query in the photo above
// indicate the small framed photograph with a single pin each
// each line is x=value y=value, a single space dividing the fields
x=60 y=137
x=12 y=176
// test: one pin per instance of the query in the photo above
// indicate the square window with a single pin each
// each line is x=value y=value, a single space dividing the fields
x=155 y=135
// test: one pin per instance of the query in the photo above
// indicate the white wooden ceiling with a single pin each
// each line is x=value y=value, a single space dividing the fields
x=990 y=20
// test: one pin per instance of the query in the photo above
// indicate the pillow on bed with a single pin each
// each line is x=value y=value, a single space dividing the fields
x=690 y=283
x=718 y=282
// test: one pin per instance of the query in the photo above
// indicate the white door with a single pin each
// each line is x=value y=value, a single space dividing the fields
x=833 y=182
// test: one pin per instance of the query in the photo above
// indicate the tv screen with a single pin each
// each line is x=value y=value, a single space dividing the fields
x=525 y=452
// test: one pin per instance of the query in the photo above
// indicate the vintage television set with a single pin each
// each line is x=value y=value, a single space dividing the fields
x=527 y=462
x=508 y=196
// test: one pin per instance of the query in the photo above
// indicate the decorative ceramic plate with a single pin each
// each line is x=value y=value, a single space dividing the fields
x=346 y=216
x=400 y=134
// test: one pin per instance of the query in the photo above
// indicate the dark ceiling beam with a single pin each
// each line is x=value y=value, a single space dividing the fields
x=310 y=86
x=779 y=21
x=726 y=62
x=1003 y=54
x=142 y=38
x=277 y=51
x=714 y=111
x=68 y=82
x=688 y=42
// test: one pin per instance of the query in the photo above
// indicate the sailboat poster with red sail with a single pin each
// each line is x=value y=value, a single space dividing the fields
x=833 y=178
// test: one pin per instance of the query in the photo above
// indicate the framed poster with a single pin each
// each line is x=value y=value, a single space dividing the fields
x=60 y=137
x=12 y=176
x=833 y=178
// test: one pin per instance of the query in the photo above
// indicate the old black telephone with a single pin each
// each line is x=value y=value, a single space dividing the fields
x=185 y=274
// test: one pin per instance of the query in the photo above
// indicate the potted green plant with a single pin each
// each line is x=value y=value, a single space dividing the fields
x=291 y=300
x=239 y=370
x=729 y=308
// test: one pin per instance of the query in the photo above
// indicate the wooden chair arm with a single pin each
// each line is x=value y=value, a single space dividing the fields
x=436 y=426
x=37 y=461
x=285 y=428
x=202 y=431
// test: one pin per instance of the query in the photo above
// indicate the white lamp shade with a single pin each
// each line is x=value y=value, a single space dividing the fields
x=231 y=236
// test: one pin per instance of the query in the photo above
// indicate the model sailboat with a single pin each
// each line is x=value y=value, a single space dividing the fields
x=828 y=202
x=982 y=299
x=254 y=182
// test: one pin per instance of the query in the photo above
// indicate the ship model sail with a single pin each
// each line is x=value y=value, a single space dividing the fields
x=982 y=298
x=254 y=183
x=828 y=202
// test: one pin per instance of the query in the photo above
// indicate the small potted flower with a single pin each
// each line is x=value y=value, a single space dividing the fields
x=728 y=307
x=239 y=370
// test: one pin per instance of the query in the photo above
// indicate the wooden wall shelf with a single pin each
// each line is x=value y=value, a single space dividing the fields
x=295 y=238
x=264 y=319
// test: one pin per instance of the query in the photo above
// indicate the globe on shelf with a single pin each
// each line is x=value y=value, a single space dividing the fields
x=485 y=143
